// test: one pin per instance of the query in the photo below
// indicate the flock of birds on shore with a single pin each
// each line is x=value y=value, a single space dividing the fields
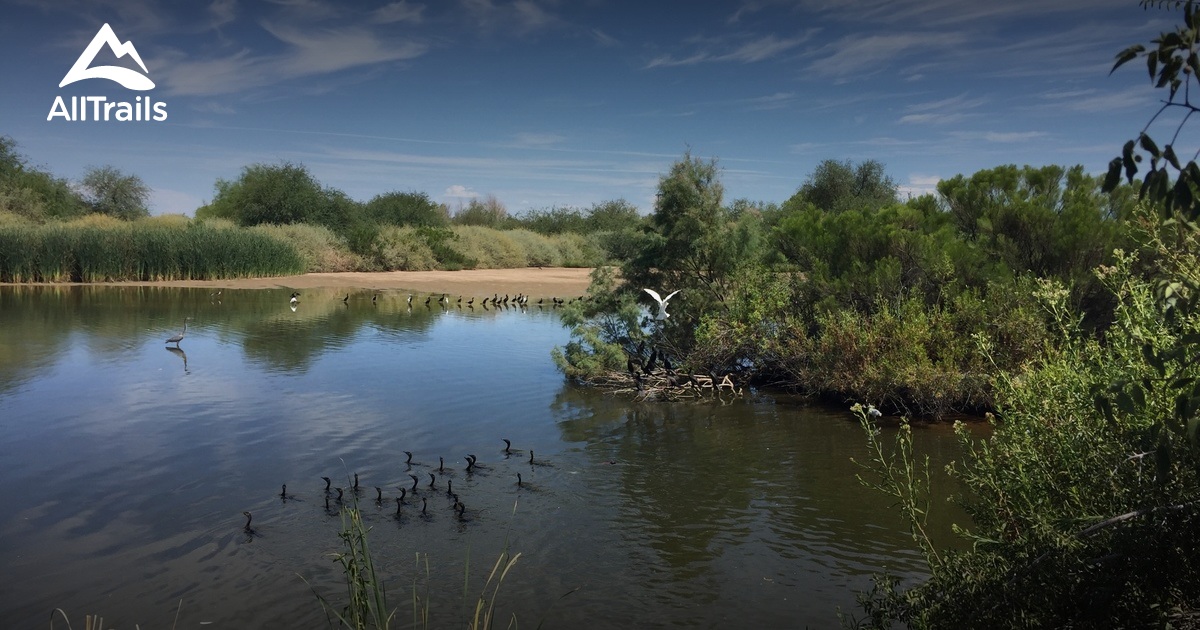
x=497 y=302
x=435 y=482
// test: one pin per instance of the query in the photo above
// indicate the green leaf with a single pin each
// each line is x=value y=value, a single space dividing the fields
x=1104 y=406
x=1149 y=146
x=1169 y=154
x=1125 y=402
x=1153 y=359
x=1139 y=396
x=1127 y=55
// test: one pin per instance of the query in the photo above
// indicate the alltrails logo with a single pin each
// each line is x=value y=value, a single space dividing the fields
x=99 y=107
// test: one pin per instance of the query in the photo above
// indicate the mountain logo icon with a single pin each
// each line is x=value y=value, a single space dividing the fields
x=131 y=79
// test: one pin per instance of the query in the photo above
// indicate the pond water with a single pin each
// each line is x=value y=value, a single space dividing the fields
x=128 y=466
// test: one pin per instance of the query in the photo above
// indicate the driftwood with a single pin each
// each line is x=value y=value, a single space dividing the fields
x=667 y=386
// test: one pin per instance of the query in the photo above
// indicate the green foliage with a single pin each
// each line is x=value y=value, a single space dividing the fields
x=406 y=209
x=142 y=250
x=280 y=194
x=604 y=328
x=694 y=245
x=839 y=186
x=605 y=216
x=1083 y=514
x=488 y=212
x=403 y=249
x=489 y=248
x=318 y=247
x=111 y=192
x=31 y=192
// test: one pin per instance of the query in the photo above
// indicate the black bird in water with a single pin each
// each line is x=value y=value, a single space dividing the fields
x=409 y=460
x=398 y=502
x=449 y=486
x=423 y=506
x=339 y=497
x=441 y=465
x=519 y=482
x=403 y=493
x=247 y=528
x=432 y=480
x=378 y=494
x=356 y=482
x=328 y=481
x=415 y=480
x=507 y=445
x=283 y=493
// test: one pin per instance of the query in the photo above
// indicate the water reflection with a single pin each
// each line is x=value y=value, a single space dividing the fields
x=647 y=514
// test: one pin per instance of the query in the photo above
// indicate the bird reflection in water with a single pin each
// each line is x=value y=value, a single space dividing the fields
x=182 y=355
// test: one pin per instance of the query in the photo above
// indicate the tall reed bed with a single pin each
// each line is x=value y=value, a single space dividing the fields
x=143 y=250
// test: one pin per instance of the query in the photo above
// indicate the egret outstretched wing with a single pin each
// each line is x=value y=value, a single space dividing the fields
x=662 y=302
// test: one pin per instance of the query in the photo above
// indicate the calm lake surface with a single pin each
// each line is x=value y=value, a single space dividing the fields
x=128 y=466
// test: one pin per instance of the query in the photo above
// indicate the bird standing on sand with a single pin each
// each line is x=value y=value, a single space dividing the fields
x=662 y=302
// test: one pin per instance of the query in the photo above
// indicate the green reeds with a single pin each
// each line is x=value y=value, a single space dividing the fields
x=140 y=251
x=367 y=605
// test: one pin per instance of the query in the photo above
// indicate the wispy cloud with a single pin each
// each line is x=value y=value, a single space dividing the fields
x=604 y=39
x=941 y=111
x=871 y=54
x=999 y=136
x=526 y=139
x=308 y=53
x=520 y=17
x=758 y=49
x=401 y=11
x=1091 y=101
x=777 y=100
x=223 y=12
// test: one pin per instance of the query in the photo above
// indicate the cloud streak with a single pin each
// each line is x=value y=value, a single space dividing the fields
x=308 y=53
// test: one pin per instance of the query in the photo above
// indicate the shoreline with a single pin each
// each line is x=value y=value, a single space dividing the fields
x=532 y=281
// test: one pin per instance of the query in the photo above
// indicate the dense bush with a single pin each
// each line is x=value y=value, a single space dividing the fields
x=1081 y=515
x=406 y=209
x=318 y=247
x=32 y=193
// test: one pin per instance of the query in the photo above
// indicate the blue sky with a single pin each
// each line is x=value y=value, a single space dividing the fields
x=572 y=102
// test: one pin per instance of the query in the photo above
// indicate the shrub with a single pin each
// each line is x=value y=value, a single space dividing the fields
x=318 y=247
x=403 y=249
x=489 y=248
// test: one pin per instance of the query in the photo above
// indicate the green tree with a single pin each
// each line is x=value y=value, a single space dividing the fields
x=282 y=194
x=31 y=192
x=488 y=212
x=612 y=216
x=109 y=191
x=407 y=208
x=693 y=244
x=838 y=186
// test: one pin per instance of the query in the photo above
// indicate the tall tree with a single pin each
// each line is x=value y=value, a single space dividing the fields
x=109 y=191
x=839 y=186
